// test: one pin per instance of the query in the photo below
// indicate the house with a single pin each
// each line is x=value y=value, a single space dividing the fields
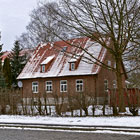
x=63 y=67
x=5 y=55
x=8 y=54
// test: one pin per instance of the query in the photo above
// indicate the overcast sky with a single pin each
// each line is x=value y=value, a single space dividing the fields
x=14 y=16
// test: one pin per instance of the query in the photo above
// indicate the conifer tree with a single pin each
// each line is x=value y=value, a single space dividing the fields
x=7 y=72
x=17 y=62
x=2 y=79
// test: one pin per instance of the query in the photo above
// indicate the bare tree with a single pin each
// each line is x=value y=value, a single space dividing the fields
x=117 y=20
x=27 y=40
x=59 y=103
x=114 y=24
x=134 y=79
x=36 y=33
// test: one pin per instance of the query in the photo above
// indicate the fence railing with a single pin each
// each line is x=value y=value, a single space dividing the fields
x=13 y=102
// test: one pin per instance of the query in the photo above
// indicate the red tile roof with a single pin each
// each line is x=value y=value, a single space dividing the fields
x=8 y=54
x=5 y=55
x=63 y=52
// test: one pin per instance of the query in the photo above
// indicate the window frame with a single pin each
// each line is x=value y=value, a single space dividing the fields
x=114 y=65
x=80 y=85
x=36 y=87
x=109 y=63
x=43 y=68
x=51 y=85
x=72 y=66
x=106 y=85
x=114 y=84
x=63 y=85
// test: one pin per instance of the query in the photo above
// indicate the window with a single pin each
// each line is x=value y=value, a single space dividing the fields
x=114 y=84
x=43 y=68
x=79 y=85
x=35 y=87
x=63 y=86
x=106 y=85
x=109 y=63
x=64 y=49
x=49 y=86
x=115 y=65
x=72 y=66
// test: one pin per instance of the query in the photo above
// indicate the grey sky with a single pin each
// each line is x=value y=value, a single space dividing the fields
x=14 y=16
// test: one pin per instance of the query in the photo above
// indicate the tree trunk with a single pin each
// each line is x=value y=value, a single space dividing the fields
x=120 y=86
x=86 y=111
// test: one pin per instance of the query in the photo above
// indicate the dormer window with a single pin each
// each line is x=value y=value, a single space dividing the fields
x=72 y=66
x=46 y=63
x=74 y=62
x=43 y=68
x=64 y=49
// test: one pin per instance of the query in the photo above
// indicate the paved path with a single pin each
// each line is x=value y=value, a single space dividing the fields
x=9 y=134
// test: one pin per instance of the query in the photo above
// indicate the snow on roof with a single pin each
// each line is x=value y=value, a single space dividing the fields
x=8 y=54
x=60 y=64
x=73 y=60
x=48 y=59
x=75 y=57
x=5 y=55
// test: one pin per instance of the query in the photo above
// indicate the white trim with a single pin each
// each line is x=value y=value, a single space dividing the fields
x=63 y=85
x=72 y=66
x=50 y=85
x=105 y=85
x=114 y=84
x=109 y=63
x=43 y=68
x=80 y=84
x=47 y=60
x=115 y=65
x=36 y=87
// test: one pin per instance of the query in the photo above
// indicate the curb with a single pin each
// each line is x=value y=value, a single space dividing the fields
x=90 y=128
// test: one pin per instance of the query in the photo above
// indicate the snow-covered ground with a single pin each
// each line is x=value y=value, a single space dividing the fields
x=126 y=120
x=112 y=121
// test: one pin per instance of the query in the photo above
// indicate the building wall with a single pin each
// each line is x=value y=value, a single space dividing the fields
x=108 y=74
x=105 y=74
x=93 y=84
x=89 y=86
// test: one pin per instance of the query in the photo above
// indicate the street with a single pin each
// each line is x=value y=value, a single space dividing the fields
x=15 y=134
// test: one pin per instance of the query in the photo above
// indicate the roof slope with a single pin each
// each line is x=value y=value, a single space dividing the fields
x=8 y=54
x=62 y=53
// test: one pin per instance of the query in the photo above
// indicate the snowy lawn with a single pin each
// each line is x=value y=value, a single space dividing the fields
x=112 y=121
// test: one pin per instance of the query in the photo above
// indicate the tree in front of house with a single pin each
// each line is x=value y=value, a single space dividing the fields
x=18 y=61
x=117 y=20
x=134 y=76
x=36 y=33
x=7 y=72
x=2 y=79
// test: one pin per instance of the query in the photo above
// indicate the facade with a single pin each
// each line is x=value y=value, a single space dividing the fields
x=61 y=68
